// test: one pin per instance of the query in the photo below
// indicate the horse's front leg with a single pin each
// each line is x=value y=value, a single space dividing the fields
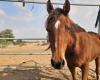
x=97 y=61
x=85 y=69
x=72 y=70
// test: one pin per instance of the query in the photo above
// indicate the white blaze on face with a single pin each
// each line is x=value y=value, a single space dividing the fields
x=57 y=24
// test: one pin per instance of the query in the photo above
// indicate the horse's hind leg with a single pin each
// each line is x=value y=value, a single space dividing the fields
x=97 y=62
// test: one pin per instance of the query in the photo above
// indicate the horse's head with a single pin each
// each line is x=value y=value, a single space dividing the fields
x=58 y=28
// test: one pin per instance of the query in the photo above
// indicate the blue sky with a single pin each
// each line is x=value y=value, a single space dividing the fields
x=29 y=21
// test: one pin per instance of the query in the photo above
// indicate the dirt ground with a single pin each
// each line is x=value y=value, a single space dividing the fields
x=33 y=67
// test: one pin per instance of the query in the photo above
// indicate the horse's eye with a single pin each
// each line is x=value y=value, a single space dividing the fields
x=52 y=19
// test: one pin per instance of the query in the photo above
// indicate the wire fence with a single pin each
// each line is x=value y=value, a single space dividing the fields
x=34 y=39
x=38 y=2
x=39 y=42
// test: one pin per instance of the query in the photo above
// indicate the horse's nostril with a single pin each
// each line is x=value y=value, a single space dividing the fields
x=63 y=62
x=57 y=65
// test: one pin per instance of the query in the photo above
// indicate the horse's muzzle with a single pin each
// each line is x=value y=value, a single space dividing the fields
x=57 y=65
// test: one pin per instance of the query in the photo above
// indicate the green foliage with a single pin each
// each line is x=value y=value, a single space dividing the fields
x=19 y=41
x=7 y=33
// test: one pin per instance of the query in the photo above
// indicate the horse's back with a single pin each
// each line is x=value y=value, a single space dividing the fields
x=94 y=34
x=89 y=37
x=89 y=44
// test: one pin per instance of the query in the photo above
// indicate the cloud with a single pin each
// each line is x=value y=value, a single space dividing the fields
x=19 y=23
x=84 y=16
x=24 y=10
x=2 y=13
x=24 y=23
x=25 y=14
x=87 y=1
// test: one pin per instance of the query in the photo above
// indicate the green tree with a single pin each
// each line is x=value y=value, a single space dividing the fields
x=7 y=33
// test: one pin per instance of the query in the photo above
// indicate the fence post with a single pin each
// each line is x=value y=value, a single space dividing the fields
x=99 y=21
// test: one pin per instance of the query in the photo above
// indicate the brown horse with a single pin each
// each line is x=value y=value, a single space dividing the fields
x=70 y=42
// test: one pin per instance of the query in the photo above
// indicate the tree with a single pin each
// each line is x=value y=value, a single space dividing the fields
x=7 y=33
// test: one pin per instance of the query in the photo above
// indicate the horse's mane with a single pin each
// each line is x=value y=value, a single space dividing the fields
x=49 y=21
x=78 y=28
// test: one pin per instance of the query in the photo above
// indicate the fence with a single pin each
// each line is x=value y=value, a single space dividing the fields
x=23 y=55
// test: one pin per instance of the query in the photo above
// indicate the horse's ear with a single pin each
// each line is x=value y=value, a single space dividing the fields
x=49 y=6
x=66 y=7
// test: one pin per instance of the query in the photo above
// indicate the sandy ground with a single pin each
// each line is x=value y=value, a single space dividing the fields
x=33 y=67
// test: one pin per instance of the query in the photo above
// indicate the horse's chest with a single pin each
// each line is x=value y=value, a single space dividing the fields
x=73 y=60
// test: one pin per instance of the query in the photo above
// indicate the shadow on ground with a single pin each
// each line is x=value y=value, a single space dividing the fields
x=39 y=73
x=32 y=74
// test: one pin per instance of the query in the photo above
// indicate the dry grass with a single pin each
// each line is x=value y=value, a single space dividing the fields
x=33 y=67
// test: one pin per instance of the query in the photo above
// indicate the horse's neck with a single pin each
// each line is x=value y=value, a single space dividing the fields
x=72 y=40
x=69 y=24
x=71 y=54
x=70 y=51
x=75 y=26
x=66 y=20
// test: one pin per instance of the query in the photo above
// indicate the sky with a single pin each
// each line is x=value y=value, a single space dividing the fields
x=29 y=21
